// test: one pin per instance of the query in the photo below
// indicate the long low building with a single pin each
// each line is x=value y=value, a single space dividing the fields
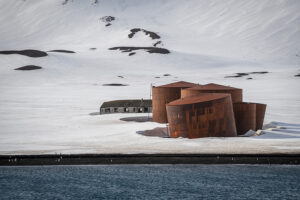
x=127 y=106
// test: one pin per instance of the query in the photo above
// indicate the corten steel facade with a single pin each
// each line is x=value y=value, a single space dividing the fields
x=207 y=115
x=245 y=117
x=209 y=110
x=236 y=93
x=260 y=115
x=164 y=94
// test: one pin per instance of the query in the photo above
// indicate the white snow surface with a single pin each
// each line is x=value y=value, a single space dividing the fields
x=48 y=111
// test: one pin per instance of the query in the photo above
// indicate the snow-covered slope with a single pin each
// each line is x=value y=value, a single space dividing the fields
x=208 y=40
x=246 y=29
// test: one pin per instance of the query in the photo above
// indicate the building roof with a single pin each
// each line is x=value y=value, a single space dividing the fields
x=128 y=103
x=180 y=84
x=213 y=86
x=205 y=97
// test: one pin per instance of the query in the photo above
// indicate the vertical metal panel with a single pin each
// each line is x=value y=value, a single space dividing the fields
x=260 y=115
x=164 y=94
x=160 y=97
x=213 y=118
x=245 y=116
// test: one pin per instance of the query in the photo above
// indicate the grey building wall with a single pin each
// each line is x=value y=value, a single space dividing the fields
x=125 y=110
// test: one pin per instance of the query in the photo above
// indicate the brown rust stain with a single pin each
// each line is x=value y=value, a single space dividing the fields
x=260 y=115
x=164 y=94
x=245 y=116
x=193 y=118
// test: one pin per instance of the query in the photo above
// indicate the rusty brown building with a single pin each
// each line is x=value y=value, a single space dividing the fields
x=205 y=115
x=248 y=116
x=236 y=93
x=210 y=110
x=245 y=116
x=161 y=95
x=260 y=115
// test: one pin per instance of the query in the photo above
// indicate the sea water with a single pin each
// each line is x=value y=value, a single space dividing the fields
x=151 y=182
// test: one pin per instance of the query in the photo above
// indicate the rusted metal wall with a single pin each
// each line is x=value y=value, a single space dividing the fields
x=164 y=94
x=236 y=94
x=160 y=97
x=260 y=115
x=194 y=117
x=245 y=116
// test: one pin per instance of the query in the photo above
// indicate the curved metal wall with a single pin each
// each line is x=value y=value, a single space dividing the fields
x=160 y=97
x=260 y=115
x=245 y=117
x=236 y=94
x=213 y=118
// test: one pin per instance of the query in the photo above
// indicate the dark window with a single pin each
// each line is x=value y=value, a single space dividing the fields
x=107 y=110
x=146 y=109
x=115 y=109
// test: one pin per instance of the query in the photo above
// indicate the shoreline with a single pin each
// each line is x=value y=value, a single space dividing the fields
x=111 y=159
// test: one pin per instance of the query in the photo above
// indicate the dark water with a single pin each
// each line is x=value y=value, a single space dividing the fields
x=151 y=182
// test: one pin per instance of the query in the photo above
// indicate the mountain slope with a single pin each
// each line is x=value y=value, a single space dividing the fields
x=52 y=109
x=256 y=30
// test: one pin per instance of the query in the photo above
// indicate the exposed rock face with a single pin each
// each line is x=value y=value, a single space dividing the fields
x=107 y=20
x=29 y=67
x=62 y=51
x=27 y=52
x=149 y=33
x=114 y=84
x=148 y=49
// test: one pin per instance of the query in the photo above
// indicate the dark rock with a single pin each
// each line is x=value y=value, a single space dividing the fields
x=107 y=19
x=121 y=76
x=157 y=43
x=249 y=78
x=65 y=2
x=131 y=54
x=156 y=77
x=242 y=74
x=27 y=52
x=167 y=74
x=297 y=75
x=93 y=48
x=114 y=84
x=126 y=51
x=29 y=67
x=262 y=72
x=62 y=51
x=152 y=34
x=133 y=32
x=235 y=76
x=149 y=33
x=108 y=24
x=245 y=74
x=148 y=49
